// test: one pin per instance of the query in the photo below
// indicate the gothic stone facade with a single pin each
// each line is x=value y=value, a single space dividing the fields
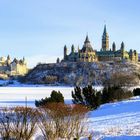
x=88 y=54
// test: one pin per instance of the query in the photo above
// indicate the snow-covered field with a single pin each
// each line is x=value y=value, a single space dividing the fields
x=119 y=120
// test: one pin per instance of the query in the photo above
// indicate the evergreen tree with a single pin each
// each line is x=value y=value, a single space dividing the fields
x=86 y=96
x=54 y=97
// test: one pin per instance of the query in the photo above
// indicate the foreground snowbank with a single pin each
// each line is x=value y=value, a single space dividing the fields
x=119 y=120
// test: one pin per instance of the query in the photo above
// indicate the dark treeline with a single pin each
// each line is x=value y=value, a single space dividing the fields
x=93 y=99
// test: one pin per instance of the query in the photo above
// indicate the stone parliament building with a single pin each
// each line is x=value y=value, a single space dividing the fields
x=88 y=54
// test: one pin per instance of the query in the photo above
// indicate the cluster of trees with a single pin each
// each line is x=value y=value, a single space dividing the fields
x=93 y=98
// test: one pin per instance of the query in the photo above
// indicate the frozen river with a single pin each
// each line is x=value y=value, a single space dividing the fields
x=11 y=96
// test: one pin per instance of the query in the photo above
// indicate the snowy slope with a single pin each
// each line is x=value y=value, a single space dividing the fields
x=119 y=120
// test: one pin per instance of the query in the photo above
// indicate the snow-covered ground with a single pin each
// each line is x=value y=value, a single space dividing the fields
x=120 y=121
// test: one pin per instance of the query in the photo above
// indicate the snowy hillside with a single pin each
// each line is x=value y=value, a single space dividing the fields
x=119 y=120
x=72 y=74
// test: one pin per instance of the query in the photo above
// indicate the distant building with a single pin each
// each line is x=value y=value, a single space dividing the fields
x=88 y=54
x=15 y=67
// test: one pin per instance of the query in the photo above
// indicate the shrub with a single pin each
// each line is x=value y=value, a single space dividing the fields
x=18 y=123
x=24 y=123
x=87 y=96
x=55 y=97
x=58 y=120
x=136 y=92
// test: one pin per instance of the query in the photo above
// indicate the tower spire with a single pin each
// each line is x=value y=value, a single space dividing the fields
x=105 y=40
x=105 y=29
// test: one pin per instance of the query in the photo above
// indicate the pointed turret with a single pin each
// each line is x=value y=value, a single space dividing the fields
x=122 y=46
x=113 y=47
x=105 y=40
x=23 y=60
x=8 y=60
x=72 y=48
x=65 y=52
x=87 y=40
x=78 y=49
x=58 y=60
x=8 y=57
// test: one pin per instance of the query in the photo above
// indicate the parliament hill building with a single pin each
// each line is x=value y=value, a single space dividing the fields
x=13 y=67
x=88 y=54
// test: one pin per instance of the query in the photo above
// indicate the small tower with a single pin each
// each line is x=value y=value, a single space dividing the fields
x=23 y=60
x=8 y=60
x=136 y=56
x=122 y=46
x=122 y=50
x=105 y=40
x=113 y=47
x=72 y=48
x=135 y=52
x=131 y=54
x=58 y=60
x=65 y=52
x=78 y=49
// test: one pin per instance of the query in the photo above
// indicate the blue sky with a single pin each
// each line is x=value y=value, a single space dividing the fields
x=38 y=29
